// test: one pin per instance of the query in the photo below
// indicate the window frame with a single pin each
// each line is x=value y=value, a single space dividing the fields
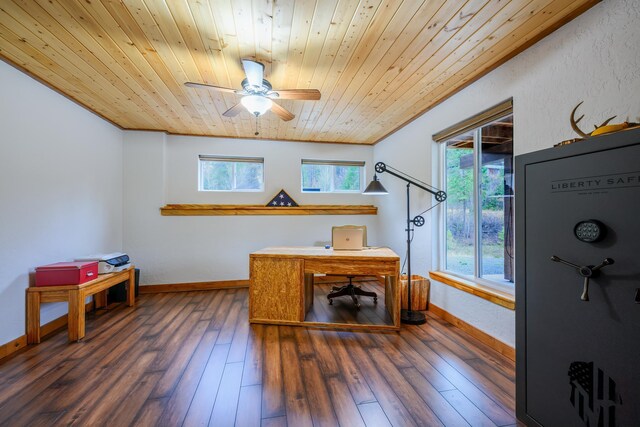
x=334 y=164
x=235 y=160
x=474 y=124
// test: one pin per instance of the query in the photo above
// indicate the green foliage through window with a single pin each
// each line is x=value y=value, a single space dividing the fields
x=479 y=175
x=327 y=177
x=231 y=174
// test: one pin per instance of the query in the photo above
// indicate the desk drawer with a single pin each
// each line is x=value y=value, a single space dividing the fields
x=353 y=267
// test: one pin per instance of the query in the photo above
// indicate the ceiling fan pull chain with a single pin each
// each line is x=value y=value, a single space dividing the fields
x=257 y=128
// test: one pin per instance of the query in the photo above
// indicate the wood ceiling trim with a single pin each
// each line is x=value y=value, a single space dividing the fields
x=45 y=69
x=444 y=33
x=442 y=67
x=137 y=49
x=466 y=75
x=157 y=71
x=55 y=89
x=65 y=39
x=57 y=38
x=306 y=62
x=355 y=30
x=397 y=63
x=168 y=37
x=361 y=53
x=223 y=43
x=316 y=76
x=376 y=62
x=432 y=50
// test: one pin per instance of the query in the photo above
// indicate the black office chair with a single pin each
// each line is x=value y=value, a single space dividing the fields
x=350 y=289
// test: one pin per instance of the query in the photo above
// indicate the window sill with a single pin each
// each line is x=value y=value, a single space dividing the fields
x=216 y=210
x=504 y=299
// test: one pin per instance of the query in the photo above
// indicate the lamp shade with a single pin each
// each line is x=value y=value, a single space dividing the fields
x=256 y=104
x=375 y=188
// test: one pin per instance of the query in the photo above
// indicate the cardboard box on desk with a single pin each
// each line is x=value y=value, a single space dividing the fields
x=66 y=273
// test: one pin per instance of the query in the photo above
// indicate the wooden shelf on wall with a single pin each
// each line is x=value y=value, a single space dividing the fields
x=215 y=210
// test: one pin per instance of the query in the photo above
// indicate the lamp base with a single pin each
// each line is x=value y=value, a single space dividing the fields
x=412 y=317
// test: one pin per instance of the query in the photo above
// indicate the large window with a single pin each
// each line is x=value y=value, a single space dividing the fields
x=479 y=207
x=218 y=173
x=335 y=176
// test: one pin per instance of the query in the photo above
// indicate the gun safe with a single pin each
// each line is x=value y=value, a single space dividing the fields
x=578 y=283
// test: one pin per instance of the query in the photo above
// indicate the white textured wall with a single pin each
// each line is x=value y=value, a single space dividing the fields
x=595 y=58
x=161 y=169
x=60 y=189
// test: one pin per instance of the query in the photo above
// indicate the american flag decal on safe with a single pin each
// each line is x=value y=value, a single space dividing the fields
x=593 y=394
x=282 y=200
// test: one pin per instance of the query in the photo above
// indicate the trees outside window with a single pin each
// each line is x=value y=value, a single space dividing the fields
x=218 y=173
x=332 y=176
x=479 y=206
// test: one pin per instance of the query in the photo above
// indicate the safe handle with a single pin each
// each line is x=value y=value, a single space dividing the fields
x=586 y=271
x=560 y=260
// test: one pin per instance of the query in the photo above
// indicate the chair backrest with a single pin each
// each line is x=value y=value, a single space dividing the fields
x=347 y=227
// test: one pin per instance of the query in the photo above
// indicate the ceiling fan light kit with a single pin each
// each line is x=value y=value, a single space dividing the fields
x=256 y=104
x=257 y=93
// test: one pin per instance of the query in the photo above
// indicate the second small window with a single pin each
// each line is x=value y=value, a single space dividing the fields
x=332 y=176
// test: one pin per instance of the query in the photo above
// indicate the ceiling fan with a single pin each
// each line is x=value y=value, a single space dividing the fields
x=257 y=93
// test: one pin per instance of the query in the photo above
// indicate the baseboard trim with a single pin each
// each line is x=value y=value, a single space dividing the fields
x=46 y=329
x=193 y=286
x=232 y=284
x=12 y=346
x=502 y=348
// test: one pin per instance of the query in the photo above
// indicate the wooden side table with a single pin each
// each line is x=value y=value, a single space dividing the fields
x=75 y=295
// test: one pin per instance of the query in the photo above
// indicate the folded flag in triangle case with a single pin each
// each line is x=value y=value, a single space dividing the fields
x=282 y=200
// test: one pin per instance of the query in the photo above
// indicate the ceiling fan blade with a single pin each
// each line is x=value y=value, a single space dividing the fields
x=233 y=111
x=301 y=94
x=282 y=112
x=204 y=85
x=254 y=71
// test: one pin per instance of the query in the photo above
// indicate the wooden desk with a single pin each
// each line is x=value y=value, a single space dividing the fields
x=75 y=295
x=281 y=282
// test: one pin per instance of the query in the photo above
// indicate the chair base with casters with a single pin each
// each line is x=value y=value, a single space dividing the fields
x=352 y=291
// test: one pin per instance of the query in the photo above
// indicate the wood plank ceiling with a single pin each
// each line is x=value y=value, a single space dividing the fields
x=378 y=63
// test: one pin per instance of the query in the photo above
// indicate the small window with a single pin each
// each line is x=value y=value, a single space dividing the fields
x=336 y=176
x=217 y=173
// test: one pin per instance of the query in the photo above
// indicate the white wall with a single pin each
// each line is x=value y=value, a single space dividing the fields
x=161 y=169
x=60 y=189
x=595 y=58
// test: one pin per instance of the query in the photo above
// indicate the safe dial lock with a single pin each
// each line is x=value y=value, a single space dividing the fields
x=586 y=271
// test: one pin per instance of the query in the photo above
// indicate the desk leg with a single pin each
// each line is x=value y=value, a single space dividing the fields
x=308 y=292
x=392 y=298
x=100 y=299
x=131 y=288
x=76 y=315
x=33 y=317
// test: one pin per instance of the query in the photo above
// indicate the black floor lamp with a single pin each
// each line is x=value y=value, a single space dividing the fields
x=376 y=188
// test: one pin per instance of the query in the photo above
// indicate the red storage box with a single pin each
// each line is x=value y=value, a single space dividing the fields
x=66 y=273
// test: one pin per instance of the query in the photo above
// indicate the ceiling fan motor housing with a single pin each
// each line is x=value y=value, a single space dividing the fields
x=257 y=90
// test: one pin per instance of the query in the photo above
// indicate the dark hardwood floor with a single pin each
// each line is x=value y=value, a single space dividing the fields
x=193 y=359
x=343 y=310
